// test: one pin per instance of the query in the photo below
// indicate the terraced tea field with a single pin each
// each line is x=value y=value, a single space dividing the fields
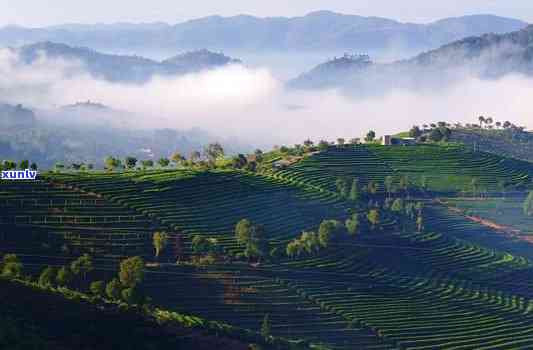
x=456 y=285
x=445 y=168
x=38 y=217
x=211 y=203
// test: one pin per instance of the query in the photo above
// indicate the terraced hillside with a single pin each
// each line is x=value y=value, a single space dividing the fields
x=444 y=168
x=455 y=285
x=39 y=217
x=211 y=203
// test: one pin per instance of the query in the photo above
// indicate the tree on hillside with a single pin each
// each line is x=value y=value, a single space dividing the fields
x=239 y=161
x=341 y=141
x=33 y=166
x=528 y=204
x=24 y=164
x=111 y=163
x=213 y=151
x=481 y=120
x=353 y=224
x=163 y=162
x=11 y=266
x=258 y=245
x=195 y=156
x=130 y=162
x=398 y=206
x=342 y=187
x=243 y=231
x=370 y=136
x=355 y=191
x=328 y=230
x=177 y=158
x=160 y=241
x=374 y=218
x=131 y=271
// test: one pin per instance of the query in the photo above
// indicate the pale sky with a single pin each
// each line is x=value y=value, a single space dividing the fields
x=50 y=12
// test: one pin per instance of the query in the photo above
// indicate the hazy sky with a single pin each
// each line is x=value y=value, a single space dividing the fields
x=49 y=12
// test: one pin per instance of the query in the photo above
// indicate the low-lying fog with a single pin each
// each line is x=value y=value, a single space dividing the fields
x=251 y=103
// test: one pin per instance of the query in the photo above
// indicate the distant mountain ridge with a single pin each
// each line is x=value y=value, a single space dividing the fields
x=487 y=56
x=124 y=68
x=316 y=31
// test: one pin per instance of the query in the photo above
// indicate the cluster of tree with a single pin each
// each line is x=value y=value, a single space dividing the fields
x=405 y=212
x=250 y=162
x=76 y=275
x=311 y=243
x=432 y=132
x=354 y=191
x=253 y=238
x=22 y=165
x=11 y=267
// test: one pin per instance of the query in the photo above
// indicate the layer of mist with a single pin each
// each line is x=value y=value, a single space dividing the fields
x=249 y=105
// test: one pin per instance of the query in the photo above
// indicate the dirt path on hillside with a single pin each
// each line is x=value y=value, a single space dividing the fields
x=507 y=230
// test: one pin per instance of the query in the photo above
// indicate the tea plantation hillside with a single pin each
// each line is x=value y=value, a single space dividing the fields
x=385 y=269
x=448 y=168
x=210 y=203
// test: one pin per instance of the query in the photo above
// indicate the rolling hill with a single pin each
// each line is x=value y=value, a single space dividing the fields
x=318 y=31
x=453 y=284
x=488 y=56
x=123 y=68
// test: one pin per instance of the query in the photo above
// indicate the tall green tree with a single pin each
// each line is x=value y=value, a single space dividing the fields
x=374 y=218
x=342 y=187
x=353 y=224
x=355 y=191
x=131 y=272
x=130 y=162
x=243 y=230
x=213 y=151
x=163 y=162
